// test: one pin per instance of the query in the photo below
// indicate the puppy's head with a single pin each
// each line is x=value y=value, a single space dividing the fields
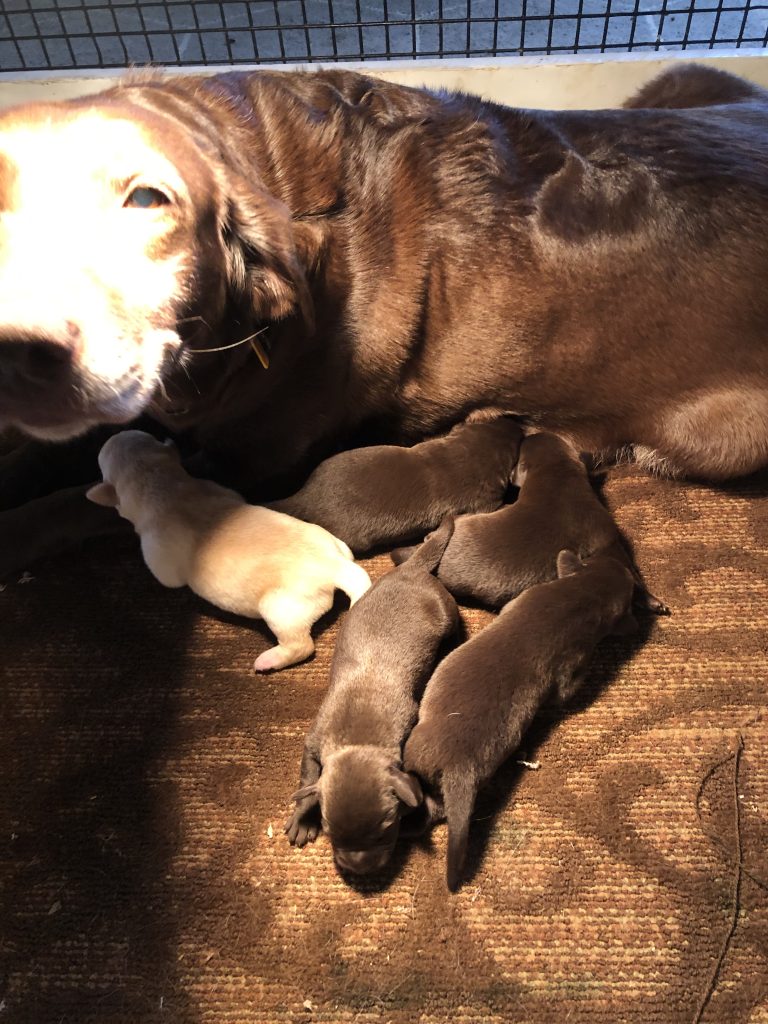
x=123 y=461
x=126 y=240
x=362 y=794
x=548 y=453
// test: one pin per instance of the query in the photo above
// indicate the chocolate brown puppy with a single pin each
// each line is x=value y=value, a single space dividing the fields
x=387 y=494
x=493 y=557
x=484 y=695
x=351 y=768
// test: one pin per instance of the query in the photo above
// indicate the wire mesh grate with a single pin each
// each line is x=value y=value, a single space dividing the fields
x=61 y=34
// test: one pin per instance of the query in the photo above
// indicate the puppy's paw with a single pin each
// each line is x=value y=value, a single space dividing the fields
x=269 y=661
x=302 y=827
x=283 y=655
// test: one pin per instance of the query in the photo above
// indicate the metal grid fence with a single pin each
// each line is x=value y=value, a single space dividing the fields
x=60 y=34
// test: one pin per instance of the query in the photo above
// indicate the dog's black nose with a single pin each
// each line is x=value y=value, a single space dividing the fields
x=35 y=360
x=362 y=862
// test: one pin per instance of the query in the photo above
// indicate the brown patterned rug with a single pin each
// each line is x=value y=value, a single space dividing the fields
x=144 y=876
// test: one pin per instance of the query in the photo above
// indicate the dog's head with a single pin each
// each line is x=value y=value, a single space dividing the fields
x=548 y=453
x=362 y=793
x=126 y=236
x=123 y=460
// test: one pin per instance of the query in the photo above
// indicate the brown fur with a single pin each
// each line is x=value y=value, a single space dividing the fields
x=351 y=768
x=483 y=697
x=413 y=256
x=387 y=494
x=493 y=557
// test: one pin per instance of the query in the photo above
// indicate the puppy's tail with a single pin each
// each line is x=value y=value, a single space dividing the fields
x=352 y=579
x=428 y=555
x=459 y=792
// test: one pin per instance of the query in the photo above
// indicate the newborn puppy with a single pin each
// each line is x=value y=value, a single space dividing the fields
x=494 y=556
x=484 y=695
x=388 y=495
x=384 y=654
x=242 y=558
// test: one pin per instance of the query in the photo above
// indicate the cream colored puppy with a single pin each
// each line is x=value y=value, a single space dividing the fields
x=243 y=558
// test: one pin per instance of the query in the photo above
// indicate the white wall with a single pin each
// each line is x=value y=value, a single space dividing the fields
x=569 y=82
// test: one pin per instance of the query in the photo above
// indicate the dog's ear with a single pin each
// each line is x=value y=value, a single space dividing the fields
x=308 y=791
x=103 y=494
x=263 y=264
x=406 y=787
x=568 y=563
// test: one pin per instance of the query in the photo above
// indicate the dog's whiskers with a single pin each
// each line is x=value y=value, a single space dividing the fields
x=185 y=368
x=224 y=348
x=164 y=390
x=191 y=319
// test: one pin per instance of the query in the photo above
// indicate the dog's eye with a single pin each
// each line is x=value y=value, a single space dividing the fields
x=146 y=198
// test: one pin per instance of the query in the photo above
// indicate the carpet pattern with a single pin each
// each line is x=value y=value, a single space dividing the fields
x=144 y=876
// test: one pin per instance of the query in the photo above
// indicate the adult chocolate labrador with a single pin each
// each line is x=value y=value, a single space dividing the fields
x=269 y=262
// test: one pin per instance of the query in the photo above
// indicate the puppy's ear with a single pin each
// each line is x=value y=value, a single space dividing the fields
x=263 y=265
x=406 y=787
x=307 y=792
x=568 y=563
x=103 y=494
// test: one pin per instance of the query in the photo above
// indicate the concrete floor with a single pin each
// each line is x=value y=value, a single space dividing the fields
x=60 y=34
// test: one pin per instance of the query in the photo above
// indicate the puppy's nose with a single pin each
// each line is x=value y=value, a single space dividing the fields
x=362 y=862
x=37 y=359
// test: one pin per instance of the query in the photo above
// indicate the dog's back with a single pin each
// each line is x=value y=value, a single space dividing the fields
x=384 y=652
x=482 y=698
x=539 y=641
x=389 y=494
x=386 y=647
x=493 y=557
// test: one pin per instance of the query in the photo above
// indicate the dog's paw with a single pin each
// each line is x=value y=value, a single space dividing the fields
x=271 y=661
x=284 y=655
x=301 y=829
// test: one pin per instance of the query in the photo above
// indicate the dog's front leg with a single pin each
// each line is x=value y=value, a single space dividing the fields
x=54 y=523
x=35 y=523
x=303 y=826
x=33 y=469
